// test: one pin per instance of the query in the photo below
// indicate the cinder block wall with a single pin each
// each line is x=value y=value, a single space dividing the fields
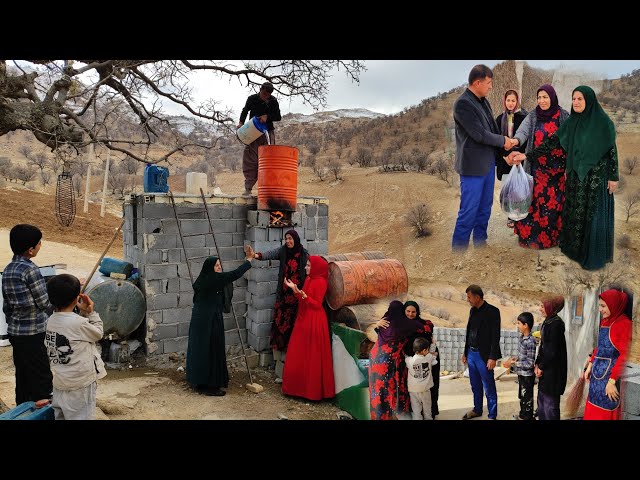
x=152 y=244
x=631 y=392
x=451 y=346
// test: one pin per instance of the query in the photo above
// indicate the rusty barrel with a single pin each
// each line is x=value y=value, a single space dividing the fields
x=343 y=257
x=365 y=281
x=277 y=178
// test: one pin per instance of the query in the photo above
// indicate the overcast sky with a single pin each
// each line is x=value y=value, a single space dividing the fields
x=388 y=86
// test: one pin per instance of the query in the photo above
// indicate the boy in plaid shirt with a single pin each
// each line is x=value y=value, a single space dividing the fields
x=26 y=307
x=524 y=366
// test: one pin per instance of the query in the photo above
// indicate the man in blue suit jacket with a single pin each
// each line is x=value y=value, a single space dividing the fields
x=477 y=143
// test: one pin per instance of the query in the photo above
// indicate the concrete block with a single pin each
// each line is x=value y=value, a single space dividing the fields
x=273 y=287
x=323 y=210
x=179 y=344
x=259 y=344
x=154 y=317
x=153 y=225
x=242 y=282
x=261 y=289
x=318 y=248
x=222 y=240
x=262 y=274
x=185 y=300
x=230 y=322
x=628 y=416
x=228 y=253
x=151 y=287
x=171 y=285
x=157 y=272
x=195 y=252
x=261 y=329
x=185 y=285
x=221 y=212
x=296 y=218
x=311 y=210
x=311 y=223
x=323 y=234
x=263 y=218
x=169 y=226
x=231 y=338
x=310 y=235
x=323 y=223
x=300 y=230
x=174 y=255
x=275 y=234
x=266 y=359
x=631 y=388
x=164 y=331
x=157 y=210
x=261 y=303
x=154 y=348
x=183 y=329
x=256 y=234
x=238 y=239
x=153 y=241
x=252 y=218
x=190 y=211
x=195 y=242
x=265 y=246
x=194 y=226
x=260 y=316
x=224 y=226
x=177 y=315
x=238 y=303
x=239 y=212
x=162 y=301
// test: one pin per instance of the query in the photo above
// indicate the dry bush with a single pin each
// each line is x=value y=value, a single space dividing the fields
x=419 y=218
x=623 y=241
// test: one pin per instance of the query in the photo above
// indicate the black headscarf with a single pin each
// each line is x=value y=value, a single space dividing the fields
x=297 y=245
x=400 y=327
x=545 y=115
x=209 y=279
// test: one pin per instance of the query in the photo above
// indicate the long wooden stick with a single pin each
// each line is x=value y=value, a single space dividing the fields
x=101 y=257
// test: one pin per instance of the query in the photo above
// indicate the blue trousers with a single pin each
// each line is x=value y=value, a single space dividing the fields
x=481 y=377
x=476 y=199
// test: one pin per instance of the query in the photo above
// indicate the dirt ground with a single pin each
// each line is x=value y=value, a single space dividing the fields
x=162 y=394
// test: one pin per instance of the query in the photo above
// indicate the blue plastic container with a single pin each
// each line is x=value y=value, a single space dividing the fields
x=29 y=411
x=110 y=265
x=155 y=179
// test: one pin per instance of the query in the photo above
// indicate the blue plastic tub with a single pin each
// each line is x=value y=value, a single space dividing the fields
x=29 y=411
x=155 y=179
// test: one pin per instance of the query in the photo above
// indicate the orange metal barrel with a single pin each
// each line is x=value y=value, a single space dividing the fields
x=343 y=257
x=365 y=281
x=277 y=177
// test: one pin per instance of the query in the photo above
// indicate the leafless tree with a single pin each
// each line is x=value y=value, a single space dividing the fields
x=117 y=179
x=24 y=174
x=77 y=184
x=25 y=150
x=630 y=203
x=77 y=102
x=320 y=171
x=363 y=157
x=45 y=177
x=335 y=167
x=630 y=163
x=39 y=160
x=419 y=218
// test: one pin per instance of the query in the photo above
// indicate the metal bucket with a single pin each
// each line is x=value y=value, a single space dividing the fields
x=365 y=281
x=121 y=306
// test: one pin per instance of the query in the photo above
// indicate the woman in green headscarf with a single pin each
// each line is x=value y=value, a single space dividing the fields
x=588 y=137
x=206 y=357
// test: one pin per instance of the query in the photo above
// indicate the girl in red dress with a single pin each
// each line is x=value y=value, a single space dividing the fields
x=308 y=370
x=608 y=358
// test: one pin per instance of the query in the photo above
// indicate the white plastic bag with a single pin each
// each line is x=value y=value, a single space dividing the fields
x=516 y=193
x=345 y=369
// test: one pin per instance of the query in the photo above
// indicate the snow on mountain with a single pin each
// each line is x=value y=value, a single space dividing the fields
x=331 y=116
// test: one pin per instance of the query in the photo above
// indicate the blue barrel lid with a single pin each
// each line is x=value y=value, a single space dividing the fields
x=259 y=125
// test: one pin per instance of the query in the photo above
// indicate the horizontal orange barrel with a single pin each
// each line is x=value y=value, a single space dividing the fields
x=343 y=257
x=365 y=281
x=277 y=178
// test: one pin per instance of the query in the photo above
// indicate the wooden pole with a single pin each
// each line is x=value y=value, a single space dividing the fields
x=95 y=267
x=87 y=190
x=104 y=185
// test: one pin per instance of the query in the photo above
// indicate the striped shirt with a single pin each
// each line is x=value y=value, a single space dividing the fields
x=25 y=298
x=526 y=356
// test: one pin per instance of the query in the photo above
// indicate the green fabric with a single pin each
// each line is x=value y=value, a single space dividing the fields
x=586 y=136
x=588 y=216
x=206 y=357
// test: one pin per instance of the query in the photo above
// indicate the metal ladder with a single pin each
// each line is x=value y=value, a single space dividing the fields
x=188 y=259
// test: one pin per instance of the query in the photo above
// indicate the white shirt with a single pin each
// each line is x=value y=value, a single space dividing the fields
x=419 y=366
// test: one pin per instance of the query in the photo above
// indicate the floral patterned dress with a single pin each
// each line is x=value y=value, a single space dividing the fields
x=388 y=380
x=541 y=228
x=285 y=308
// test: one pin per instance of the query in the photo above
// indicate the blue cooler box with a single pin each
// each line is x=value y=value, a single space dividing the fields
x=29 y=411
